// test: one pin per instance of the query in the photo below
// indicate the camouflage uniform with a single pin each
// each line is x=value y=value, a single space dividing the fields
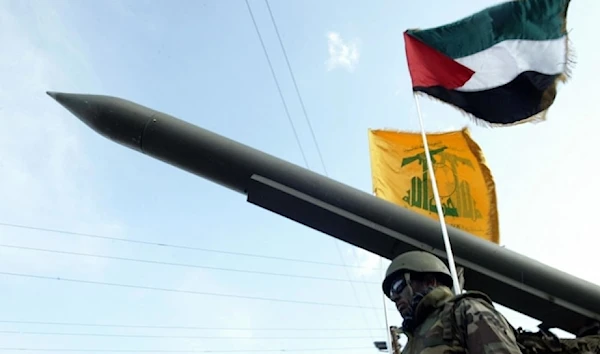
x=443 y=323
x=484 y=329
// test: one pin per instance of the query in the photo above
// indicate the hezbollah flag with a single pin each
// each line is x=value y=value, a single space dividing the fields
x=467 y=190
x=500 y=65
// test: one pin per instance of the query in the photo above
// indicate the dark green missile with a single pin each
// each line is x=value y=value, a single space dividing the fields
x=556 y=298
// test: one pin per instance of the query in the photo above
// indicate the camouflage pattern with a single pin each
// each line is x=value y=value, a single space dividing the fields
x=470 y=325
x=543 y=342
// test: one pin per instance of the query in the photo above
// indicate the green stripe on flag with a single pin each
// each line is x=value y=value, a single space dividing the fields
x=521 y=19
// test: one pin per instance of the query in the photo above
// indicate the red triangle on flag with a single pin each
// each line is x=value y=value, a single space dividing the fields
x=429 y=67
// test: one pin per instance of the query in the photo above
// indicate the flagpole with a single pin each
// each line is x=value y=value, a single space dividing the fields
x=438 y=202
x=387 y=324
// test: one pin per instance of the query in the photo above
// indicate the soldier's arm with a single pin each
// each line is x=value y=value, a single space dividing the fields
x=486 y=329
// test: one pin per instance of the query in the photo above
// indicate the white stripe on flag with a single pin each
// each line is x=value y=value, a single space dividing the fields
x=503 y=62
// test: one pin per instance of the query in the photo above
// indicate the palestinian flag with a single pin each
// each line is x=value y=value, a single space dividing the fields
x=500 y=65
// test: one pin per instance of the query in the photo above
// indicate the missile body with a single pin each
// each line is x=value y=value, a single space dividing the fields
x=556 y=298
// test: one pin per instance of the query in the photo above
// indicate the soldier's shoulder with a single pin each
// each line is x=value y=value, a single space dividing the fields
x=474 y=307
x=477 y=311
x=473 y=301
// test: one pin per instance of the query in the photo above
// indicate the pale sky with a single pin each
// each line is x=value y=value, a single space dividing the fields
x=202 y=62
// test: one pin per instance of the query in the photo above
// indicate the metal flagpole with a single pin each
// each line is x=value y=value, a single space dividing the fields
x=438 y=203
x=387 y=325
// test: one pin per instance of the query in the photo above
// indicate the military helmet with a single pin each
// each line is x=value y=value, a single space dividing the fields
x=416 y=262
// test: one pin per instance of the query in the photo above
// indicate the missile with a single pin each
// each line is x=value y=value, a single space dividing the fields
x=557 y=299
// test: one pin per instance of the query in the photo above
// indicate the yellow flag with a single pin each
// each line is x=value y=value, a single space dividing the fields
x=467 y=190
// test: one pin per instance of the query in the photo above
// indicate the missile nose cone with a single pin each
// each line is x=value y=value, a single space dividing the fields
x=116 y=119
x=71 y=102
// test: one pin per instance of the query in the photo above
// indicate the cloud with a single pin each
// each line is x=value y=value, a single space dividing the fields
x=44 y=167
x=342 y=54
x=368 y=262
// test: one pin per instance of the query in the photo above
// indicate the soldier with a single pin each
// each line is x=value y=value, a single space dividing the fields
x=437 y=321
